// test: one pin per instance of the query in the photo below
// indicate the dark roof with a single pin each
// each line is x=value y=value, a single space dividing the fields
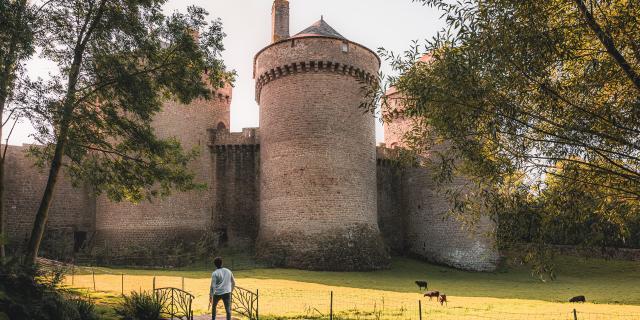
x=320 y=28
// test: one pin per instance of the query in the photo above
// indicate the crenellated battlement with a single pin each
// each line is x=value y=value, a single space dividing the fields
x=222 y=97
x=220 y=139
x=224 y=94
x=313 y=66
x=384 y=153
x=386 y=156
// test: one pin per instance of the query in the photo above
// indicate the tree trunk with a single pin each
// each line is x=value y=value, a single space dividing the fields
x=4 y=79
x=56 y=164
x=6 y=82
x=43 y=211
x=3 y=236
x=63 y=134
x=608 y=43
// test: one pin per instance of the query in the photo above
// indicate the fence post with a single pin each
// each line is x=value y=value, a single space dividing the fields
x=420 y=308
x=331 y=307
x=154 y=284
x=257 y=304
x=93 y=273
x=122 y=284
x=73 y=271
x=182 y=283
x=575 y=314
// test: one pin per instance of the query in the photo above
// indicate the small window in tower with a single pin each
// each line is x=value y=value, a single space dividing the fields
x=221 y=126
x=293 y=43
x=345 y=47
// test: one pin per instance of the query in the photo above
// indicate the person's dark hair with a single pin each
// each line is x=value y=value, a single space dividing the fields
x=218 y=262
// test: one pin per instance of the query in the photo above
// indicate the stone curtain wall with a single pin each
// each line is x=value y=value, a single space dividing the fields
x=72 y=209
x=391 y=218
x=235 y=186
x=182 y=216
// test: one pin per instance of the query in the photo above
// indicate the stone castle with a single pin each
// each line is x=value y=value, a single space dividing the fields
x=308 y=189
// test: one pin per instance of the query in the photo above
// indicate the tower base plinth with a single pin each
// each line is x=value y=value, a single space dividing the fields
x=355 y=248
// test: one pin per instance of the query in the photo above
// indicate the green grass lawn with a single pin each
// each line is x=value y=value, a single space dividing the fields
x=612 y=289
x=601 y=281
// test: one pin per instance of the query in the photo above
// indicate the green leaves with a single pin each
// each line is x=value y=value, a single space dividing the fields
x=131 y=59
x=519 y=87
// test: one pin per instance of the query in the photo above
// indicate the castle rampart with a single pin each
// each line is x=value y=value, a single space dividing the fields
x=314 y=54
x=181 y=216
x=71 y=216
x=391 y=218
x=235 y=186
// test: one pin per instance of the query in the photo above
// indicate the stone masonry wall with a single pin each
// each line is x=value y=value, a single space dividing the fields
x=182 y=215
x=318 y=161
x=437 y=237
x=397 y=125
x=235 y=186
x=280 y=20
x=72 y=209
x=431 y=233
x=391 y=217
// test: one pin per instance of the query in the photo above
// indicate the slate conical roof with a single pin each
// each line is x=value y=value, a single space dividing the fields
x=320 y=28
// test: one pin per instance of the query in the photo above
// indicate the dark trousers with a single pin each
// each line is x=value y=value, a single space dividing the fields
x=226 y=300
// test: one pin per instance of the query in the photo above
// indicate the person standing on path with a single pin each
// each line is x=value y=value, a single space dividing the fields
x=222 y=284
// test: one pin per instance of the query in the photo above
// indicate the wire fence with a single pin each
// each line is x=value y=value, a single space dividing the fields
x=313 y=301
x=161 y=262
x=329 y=305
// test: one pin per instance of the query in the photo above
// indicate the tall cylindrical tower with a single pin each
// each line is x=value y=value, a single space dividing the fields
x=317 y=161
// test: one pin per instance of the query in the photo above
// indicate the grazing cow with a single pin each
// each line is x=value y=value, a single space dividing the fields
x=422 y=284
x=578 y=299
x=443 y=299
x=432 y=294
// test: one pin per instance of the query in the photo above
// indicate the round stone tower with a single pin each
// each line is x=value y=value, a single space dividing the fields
x=182 y=215
x=318 y=160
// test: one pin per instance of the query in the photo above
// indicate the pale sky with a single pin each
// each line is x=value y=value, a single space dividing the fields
x=391 y=24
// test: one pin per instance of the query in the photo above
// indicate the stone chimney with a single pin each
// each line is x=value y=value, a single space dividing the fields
x=280 y=20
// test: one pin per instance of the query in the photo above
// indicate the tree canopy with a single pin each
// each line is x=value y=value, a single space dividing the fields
x=518 y=87
x=18 y=20
x=118 y=62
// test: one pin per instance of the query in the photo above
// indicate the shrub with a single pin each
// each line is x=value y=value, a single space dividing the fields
x=86 y=309
x=140 y=306
x=33 y=293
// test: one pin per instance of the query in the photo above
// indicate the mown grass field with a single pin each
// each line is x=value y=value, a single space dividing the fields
x=611 y=287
